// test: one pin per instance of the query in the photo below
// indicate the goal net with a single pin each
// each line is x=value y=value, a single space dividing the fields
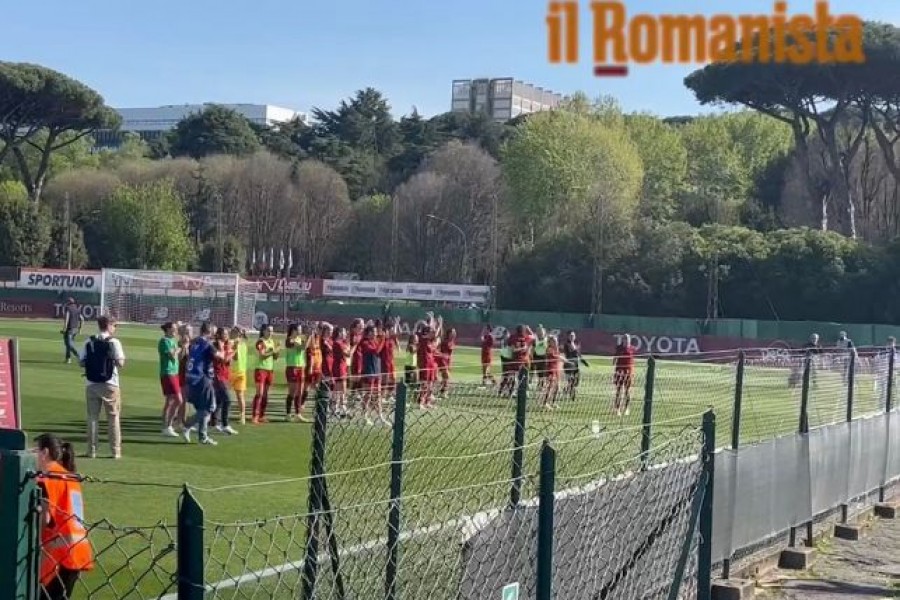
x=159 y=296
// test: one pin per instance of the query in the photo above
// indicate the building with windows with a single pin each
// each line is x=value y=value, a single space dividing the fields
x=503 y=98
x=153 y=123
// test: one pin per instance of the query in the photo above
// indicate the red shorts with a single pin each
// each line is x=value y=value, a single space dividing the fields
x=293 y=374
x=485 y=359
x=443 y=363
x=428 y=374
x=171 y=385
x=313 y=379
x=623 y=377
x=262 y=377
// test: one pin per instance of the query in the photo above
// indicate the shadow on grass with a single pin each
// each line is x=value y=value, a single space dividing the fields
x=142 y=429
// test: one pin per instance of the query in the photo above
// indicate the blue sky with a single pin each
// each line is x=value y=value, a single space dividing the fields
x=302 y=53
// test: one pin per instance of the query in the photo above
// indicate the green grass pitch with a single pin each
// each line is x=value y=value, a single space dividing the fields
x=472 y=421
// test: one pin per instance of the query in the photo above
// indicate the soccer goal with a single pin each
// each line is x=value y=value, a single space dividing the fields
x=159 y=296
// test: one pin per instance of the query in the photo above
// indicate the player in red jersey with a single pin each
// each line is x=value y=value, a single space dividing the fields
x=314 y=364
x=553 y=368
x=356 y=360
x=370 y=348
x=225 y=350
x=444 y=357
x=521 y=342
x=340 y=364
x=623 y=376
x=426 y=350
x=487 y=346
x=391 y=345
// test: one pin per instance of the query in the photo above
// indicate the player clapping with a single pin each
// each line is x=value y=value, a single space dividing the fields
x=623 y=376
x=267 y=353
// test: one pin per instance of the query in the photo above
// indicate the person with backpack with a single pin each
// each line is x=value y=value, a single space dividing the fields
x=102 y=357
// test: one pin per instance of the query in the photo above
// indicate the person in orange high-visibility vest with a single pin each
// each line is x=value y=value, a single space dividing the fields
x=65 y=549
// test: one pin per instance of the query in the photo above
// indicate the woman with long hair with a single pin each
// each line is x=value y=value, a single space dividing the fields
x=185 y=336
x=222 y=383
x=65 y=549
x=445 y=358
x=370 y=349
x=553 y=366
x=295 y=364
x=340 y=365
x=573 y=360
x=410 y=369
x=487 y=347
x=263 y=375
x=239 y=370
x=391 y=345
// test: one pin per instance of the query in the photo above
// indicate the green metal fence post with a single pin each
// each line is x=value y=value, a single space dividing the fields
x=704 y=559
x=851 y=376
x=316 y=493
x=888 y=402
x=804 y=422
x=19 y=519
x=546 y=499
x=393 y=533
x=191 y=554
x=518 y=456
x=736 y=429
x=889 y=397
x=646 y=432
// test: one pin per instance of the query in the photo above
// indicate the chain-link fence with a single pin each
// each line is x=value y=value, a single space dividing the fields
x=440 y=496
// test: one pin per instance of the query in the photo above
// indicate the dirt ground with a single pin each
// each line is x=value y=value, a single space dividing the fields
x=868 y=569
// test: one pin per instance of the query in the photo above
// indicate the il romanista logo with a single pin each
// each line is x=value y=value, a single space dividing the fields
x=620 y=40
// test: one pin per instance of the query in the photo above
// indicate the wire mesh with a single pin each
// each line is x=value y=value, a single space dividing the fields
x=621 y=529
x=128 y=562
x=463 y=525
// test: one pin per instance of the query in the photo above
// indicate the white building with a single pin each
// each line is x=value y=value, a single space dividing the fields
x=502 y=98
x=153 y=123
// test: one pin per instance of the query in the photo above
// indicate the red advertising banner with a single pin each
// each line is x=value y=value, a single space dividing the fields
x=10 y=408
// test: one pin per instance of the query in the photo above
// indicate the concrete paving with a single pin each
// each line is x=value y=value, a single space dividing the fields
x=866 y=569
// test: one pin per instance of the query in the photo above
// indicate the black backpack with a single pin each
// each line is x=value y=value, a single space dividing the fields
x=98 y=360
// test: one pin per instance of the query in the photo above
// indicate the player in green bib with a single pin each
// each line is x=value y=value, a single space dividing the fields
x=239 y=370
x=539 y=356
x=294 y=367
x=267 y=352
x=168 y=352
x=411 y=366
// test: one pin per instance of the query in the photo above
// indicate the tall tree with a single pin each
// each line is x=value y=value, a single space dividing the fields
x=24 y=228
x=145 y=228
x=321 y=210
x=46 y=111
x=214 y=130
x=555 y=162
x=814 y=100
x=665 y=161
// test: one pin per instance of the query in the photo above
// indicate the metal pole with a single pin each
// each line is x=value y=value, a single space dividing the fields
x=284 y=304
x=704 y=567
x=889 y=392
x=546 y=499
x=465 y=255
x=851 y=376
x=393 y=533
x=68 y=233
x=647 y=422
x=804 y=420
x=736 y=430
x=518 y=458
